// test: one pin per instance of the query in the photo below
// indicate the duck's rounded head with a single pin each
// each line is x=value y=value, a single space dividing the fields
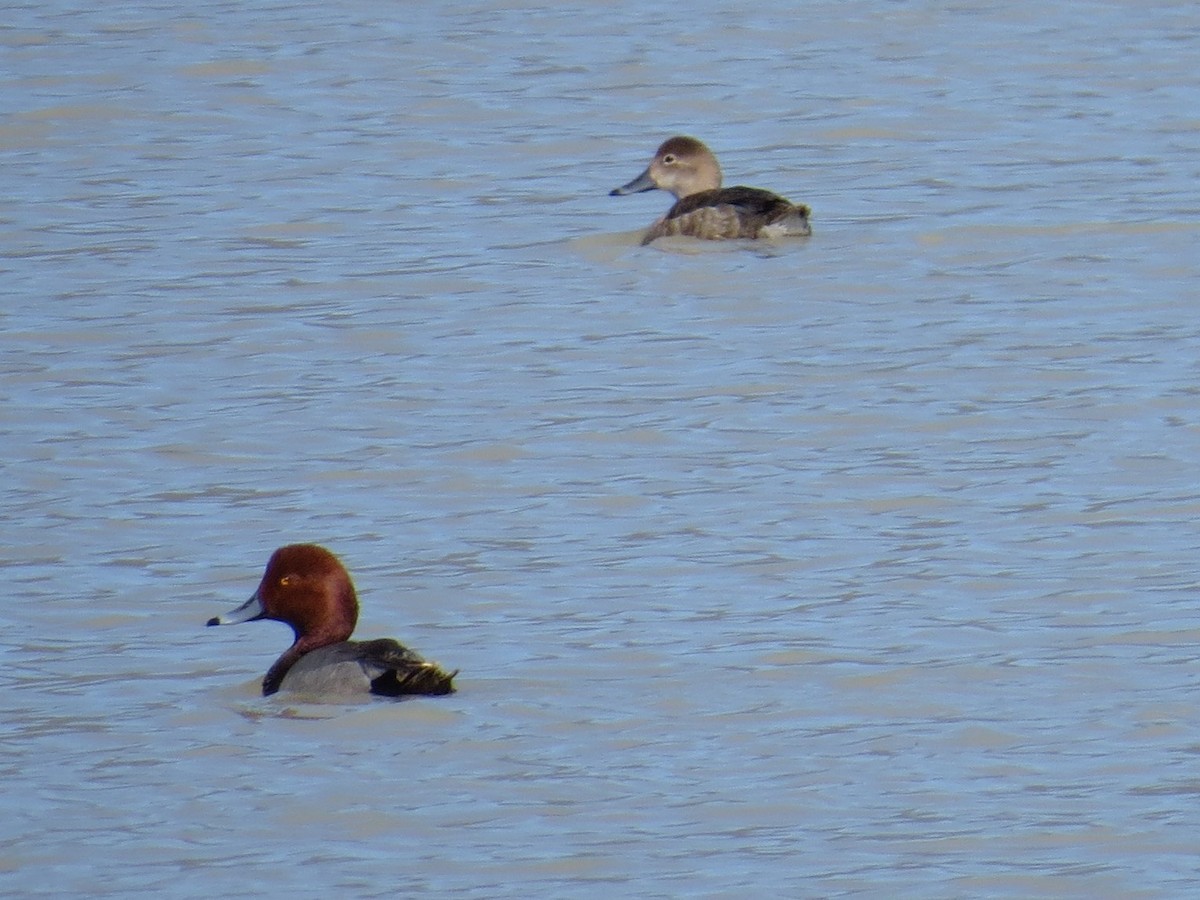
x=681 y=166
x=306 y=587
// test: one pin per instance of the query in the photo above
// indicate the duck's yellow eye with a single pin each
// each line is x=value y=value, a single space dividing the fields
x=285 y=580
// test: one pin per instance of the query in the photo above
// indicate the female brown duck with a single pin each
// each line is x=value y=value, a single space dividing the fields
x=683 y=166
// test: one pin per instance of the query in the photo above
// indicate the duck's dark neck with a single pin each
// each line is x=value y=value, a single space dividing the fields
x=279 y=669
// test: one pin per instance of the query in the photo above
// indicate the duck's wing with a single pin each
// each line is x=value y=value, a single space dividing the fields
x=748 y=201
x=726 y=213
x=395 y=670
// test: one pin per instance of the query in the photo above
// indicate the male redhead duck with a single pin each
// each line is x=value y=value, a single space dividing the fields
x=308 y=588
x=686 y=168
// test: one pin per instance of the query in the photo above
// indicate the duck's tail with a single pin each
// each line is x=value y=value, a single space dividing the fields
x=426 y=678
x=402 y=671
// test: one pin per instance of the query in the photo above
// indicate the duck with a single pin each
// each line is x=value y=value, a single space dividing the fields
x=307 y=587
x=684 y=167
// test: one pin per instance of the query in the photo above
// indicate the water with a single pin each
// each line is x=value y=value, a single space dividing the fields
x=861 y=566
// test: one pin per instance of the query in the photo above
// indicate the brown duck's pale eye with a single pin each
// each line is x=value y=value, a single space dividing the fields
x=285 y=580
x=669 y=159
